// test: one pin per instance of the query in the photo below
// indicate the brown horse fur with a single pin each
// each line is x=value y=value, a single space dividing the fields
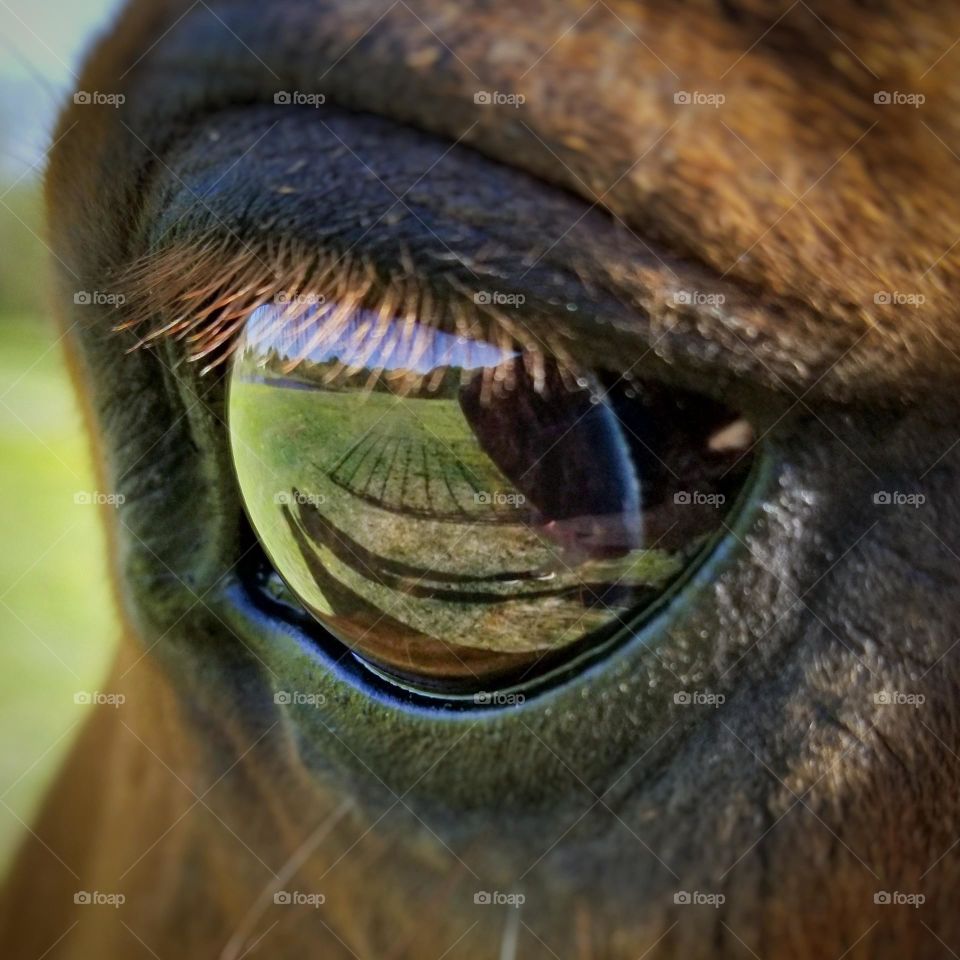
x=808 y=203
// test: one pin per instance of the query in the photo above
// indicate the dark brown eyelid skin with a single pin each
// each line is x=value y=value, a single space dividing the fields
x=821 y=330
x=238 y=198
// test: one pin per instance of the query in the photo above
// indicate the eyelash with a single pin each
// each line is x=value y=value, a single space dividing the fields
x=202 y=294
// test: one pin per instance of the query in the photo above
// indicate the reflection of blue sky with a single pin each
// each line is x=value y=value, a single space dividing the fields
x=41 y=47
x=361 y=340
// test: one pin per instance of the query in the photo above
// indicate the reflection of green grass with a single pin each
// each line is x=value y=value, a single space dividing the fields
x=56 y=621
x=414 y=453
x=289 y=439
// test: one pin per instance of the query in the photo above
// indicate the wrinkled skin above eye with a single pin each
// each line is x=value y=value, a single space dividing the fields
x=463 y=514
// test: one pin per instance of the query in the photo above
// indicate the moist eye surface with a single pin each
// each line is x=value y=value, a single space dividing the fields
x=461 y=511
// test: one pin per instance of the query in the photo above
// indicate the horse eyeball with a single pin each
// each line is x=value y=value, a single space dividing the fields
x=463 y=513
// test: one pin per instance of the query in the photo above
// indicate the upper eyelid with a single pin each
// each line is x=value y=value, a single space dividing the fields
x=630 y=308
x=203 y=292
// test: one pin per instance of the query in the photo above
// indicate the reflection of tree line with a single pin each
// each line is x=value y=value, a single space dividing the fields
x=335 y=375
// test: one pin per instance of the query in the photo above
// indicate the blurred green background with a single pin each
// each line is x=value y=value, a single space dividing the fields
x=57 y=626
x=56 y=621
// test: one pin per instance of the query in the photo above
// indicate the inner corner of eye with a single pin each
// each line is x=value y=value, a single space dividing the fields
x=463 y=511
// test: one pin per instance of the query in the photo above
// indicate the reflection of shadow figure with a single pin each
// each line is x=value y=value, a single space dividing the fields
x=392 y=644
x=424 y=583
x=397 y=647
x=567 y=456
x=419 y=477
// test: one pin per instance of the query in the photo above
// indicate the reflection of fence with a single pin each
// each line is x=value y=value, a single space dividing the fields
x=425 y=478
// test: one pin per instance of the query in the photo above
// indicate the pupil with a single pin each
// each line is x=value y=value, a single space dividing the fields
x=565 y=452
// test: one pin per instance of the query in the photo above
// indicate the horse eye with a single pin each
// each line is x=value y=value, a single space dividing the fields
x=462 y=512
